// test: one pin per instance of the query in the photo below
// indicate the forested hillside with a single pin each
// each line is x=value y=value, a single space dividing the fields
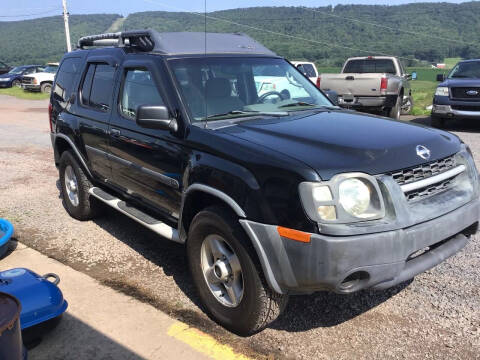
x=42 y=40
x=424 y=31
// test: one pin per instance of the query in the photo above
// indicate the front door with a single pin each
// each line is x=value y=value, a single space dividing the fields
x=146 y=163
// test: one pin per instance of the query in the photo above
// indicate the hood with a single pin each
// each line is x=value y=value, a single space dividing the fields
x=7 y=75
x=461 y=83
x=342 y=141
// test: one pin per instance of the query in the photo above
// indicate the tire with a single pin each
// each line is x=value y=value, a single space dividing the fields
x=85 y=207
x=437 y=122
x=395 y=111
x=46 y=88
x=407 y=107
x=16 y=83
x=258 y=305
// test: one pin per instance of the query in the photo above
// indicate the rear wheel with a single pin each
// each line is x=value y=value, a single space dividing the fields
x=395 y=111
x=74 y=188
x=227 y=274
x=46 y=88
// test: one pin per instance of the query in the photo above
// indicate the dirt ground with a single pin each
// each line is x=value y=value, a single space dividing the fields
x=435 y=316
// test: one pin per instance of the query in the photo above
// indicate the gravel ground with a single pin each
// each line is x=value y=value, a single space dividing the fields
x=435 y=316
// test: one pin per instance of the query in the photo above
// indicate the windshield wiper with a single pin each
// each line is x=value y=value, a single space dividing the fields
x=249 y=113
x=298 y=103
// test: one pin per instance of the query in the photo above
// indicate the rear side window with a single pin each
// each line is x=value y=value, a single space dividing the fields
x=308 y=70
x=97 y=87
x=138 y=89
x=66 y=77
x=370 y=66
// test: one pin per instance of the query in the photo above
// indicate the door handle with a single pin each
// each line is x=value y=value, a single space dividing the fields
x=115 y=132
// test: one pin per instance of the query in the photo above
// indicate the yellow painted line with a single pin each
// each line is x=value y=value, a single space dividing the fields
x=203 y=343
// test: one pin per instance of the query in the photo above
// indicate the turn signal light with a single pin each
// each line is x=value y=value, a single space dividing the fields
x=318 y=82
x=293 y=234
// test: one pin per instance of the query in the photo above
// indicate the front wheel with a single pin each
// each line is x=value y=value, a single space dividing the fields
x=46 y=88
x=227 y=274
x=407 y=106
x=16 y=83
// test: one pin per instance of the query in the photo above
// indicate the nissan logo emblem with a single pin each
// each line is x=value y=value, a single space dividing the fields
x=423 y=152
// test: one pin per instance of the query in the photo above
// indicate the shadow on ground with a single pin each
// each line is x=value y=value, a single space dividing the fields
x=458 y=125
x=74 y=339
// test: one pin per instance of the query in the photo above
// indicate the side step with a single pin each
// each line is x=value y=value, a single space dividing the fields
x=139 y=216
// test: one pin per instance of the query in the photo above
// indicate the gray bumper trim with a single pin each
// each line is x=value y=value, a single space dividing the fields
x=325 y=262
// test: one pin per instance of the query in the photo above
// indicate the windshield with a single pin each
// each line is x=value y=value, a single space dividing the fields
x=467 y=70
x=17 y=70
x=375 y=66
x=221 y=88
x=52 y=69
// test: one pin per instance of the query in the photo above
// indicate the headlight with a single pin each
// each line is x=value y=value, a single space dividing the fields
x=442 y=91
x=354 y=196
x=346 y=198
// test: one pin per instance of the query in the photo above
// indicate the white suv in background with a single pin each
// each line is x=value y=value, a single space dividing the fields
x=308 y=69
x=41 y=81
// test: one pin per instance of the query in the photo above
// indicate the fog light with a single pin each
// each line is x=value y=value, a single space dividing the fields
x=327 y=212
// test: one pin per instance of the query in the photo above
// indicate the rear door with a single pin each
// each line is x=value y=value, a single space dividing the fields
x=146 y=163
x=95 y=100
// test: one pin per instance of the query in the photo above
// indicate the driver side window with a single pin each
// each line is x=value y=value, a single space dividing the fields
x=138 y=89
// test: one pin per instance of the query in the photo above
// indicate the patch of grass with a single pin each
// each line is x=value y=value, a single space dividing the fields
x=451 y=62
x=22 y=94
x=422 y=93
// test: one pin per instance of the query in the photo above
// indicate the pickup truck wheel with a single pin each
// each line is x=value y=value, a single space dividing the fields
x=407 y=106
x=74 y=186
x=227 y=274
x=46 y=88
x=395 y=111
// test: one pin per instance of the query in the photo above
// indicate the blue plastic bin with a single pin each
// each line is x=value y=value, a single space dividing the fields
x=6 y=232
x=41 y=299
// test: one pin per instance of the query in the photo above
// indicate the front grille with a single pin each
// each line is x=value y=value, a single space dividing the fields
x=27 y=80
x=461 y=93
x=423 y=171
x=429 y=190
x=466 y=107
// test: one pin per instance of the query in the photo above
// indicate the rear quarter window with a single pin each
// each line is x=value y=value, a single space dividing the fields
x=66 y=77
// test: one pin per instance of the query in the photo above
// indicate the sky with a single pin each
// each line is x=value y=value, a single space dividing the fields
x=27 y=9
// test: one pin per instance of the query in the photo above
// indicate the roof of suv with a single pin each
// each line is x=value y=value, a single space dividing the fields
x=179 y=43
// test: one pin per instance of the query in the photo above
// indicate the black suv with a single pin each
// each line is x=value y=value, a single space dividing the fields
x=273 y=189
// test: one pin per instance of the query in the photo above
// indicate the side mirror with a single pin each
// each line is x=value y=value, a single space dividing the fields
x=440 y=77
x=408 y=76
x=155 y=117
x=333 y=96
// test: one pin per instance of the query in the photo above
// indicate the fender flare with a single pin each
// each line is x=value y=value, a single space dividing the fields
x=74 y=148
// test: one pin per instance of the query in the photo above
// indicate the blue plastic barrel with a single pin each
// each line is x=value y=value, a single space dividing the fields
x=6 y=232
x=11 y=345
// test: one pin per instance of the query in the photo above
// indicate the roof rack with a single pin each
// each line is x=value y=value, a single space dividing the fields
x=138 y=39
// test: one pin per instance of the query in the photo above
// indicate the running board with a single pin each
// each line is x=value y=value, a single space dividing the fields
x=139 y=216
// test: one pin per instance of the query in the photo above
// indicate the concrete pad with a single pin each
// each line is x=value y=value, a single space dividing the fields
x=100 y=323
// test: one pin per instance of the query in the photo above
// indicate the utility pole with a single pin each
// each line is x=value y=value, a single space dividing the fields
x=67 y=28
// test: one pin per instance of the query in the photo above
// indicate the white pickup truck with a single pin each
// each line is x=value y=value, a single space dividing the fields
x=372 y=83
x=41 y=81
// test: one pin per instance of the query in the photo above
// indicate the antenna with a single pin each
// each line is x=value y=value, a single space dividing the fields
x=67 y=27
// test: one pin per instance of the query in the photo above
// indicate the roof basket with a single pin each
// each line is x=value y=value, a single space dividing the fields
x=141 y=40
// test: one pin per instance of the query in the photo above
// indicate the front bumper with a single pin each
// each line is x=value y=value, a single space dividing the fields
x=345 y=264
x=444 y=107
x=5 y=84
x=31 y=87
